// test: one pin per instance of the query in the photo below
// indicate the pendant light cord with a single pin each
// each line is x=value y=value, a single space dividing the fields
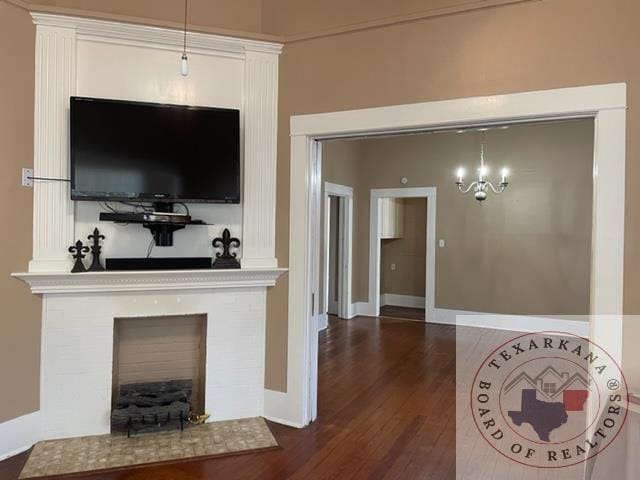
x=184 y=49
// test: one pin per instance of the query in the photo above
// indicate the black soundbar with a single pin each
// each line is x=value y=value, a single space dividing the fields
x=167 y=263
x=145 y=217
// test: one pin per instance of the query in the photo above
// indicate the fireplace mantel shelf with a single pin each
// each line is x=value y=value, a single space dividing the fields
x=141 y=281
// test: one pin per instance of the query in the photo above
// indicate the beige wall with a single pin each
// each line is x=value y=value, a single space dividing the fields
x=407 y=253
x=527 y=252
x=20 y=318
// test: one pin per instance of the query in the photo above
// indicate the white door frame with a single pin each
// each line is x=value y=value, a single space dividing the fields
x=345 y=247
x=374 y=244
x=607 y=104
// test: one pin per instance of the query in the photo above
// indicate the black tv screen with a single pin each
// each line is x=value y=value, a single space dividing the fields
x=152 y=152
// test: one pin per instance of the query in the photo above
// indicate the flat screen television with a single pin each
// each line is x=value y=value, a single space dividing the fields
x=133 y=151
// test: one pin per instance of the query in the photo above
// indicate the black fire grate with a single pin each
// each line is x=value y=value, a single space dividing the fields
x=152 y=406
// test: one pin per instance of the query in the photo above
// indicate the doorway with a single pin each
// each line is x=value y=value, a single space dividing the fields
x=605 y=103
x=403 y=255
x=377 y=231
x=337 y=252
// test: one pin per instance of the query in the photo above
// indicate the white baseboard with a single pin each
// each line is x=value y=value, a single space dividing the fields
x=323 y=321
x=395 y=300
x=277 y=407
x=515 y=323
x=363 y=309
x=19 y=434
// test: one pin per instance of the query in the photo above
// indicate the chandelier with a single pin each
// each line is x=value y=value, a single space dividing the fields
x=481 y=186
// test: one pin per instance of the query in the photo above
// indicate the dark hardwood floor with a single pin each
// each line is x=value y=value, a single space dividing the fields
x=386 y=411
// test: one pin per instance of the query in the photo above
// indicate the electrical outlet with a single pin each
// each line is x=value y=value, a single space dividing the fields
x=27 y=174
x=441 y=243
x=393 y=266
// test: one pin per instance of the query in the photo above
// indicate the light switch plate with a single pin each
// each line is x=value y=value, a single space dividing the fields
x=27 y=174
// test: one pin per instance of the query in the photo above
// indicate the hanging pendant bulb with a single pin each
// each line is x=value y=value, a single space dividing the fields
x=184 y=61
x=184 y=65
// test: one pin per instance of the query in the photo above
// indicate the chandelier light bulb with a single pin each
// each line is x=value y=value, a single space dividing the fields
x=505 y=174
x=460 y=175
x=482 y=171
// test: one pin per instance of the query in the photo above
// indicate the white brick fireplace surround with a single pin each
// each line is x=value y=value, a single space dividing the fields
x=94 y=58
x=77 y=339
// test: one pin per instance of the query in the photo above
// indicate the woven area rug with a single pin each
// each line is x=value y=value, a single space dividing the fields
x=111 y=452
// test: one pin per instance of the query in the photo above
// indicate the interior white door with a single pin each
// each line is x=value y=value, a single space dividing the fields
x=333 y=306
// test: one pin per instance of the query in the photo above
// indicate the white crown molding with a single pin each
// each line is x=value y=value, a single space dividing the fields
x=118 y=32
x=141 y=281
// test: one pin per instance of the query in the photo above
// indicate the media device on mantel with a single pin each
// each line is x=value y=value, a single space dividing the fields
x=150 y=156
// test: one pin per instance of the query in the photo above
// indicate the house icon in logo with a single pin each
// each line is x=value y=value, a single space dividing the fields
x=549 y=383
x=547 y=399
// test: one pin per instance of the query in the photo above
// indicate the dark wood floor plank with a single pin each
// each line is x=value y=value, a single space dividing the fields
x=386 y=410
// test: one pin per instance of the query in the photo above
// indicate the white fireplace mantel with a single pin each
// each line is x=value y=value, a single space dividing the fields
x=79 y=311
x=145 y=281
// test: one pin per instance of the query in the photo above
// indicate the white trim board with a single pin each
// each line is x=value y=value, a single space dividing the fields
x=323 y=321
x=395 y=300
x=277 y=407
x=108 y=31
x=148 y=281
x=19 y=434
x=605 y=103
x=360 y=309
x=514 y=323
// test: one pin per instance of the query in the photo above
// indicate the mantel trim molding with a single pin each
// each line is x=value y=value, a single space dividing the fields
x=143 y=281
x=90 y=28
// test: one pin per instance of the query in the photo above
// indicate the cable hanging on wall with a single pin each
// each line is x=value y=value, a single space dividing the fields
x=49 y=179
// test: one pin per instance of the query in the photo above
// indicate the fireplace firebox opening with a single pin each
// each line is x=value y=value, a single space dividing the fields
x=158 y=372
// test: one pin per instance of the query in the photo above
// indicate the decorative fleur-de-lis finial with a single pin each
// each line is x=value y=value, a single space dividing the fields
x=78 y=251
x=226 y=259
x=96 y=266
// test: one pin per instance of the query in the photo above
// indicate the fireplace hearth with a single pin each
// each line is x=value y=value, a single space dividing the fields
x=152 y=406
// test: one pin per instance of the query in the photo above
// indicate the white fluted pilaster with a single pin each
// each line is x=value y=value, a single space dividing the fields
x=260 y=139
x=53 y=214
